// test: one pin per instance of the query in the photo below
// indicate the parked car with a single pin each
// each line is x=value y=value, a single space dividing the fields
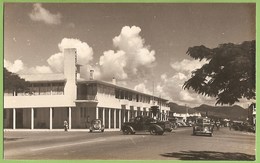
x=143 y=123
x=203 y=126
x=96 y=125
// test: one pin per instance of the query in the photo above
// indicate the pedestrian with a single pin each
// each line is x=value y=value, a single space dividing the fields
x=218 y=124
x=230 y=126
x=66 y=126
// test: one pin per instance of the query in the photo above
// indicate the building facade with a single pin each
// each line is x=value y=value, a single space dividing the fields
x=53 y=98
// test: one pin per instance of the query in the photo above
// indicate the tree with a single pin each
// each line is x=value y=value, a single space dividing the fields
x=229 y=74
x=13 y=82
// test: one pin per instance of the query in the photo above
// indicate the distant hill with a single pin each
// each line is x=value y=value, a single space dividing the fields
x=181 y=109
x=234 y=112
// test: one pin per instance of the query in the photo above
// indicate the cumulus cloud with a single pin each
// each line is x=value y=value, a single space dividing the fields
x=56 y=61
x=14 y=67
x=132 y=52
x=188 y=65
x=118 y=60
x=18 y=67
x=43 y=69
x=84 y=54
x=170 y=88
x=43 y=15
x=141 y=87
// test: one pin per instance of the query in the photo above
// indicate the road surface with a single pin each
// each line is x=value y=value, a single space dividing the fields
x=177 y=145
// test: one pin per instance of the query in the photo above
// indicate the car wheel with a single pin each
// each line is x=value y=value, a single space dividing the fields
x=90 y=130
x=126 y=131
x=153 y=131
x=160 y=133
x=102 y=130
x=132 y=133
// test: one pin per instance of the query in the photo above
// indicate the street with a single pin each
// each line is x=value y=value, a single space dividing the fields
x=113 y=145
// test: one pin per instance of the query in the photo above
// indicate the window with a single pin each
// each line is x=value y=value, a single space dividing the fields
x=57 y=88
x=35 y=113
x=4 y=114
x=117 y=93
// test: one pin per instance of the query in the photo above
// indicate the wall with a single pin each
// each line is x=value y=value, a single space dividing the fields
x=38 y=101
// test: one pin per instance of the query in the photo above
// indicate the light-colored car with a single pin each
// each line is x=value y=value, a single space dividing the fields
x=203 y=126
x=96 y=125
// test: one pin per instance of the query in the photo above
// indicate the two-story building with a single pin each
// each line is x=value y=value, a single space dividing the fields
x=54 y=98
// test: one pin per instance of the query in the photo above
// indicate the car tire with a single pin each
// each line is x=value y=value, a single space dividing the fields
x=160 y=133
x=102 y=130
x=90 y=130
x=153 y=131
x=126 y=131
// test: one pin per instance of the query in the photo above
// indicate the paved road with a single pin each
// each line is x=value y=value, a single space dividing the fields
x=177 y=145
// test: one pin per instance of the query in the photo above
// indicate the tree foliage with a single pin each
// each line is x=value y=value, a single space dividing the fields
x=229 y=74
x=13 y=82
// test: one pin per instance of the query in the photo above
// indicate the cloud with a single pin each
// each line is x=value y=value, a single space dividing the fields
x=43 y=15
x=171 y=89
x=14 y=67
x=56 y=61
x=43 y=69
x=141 y=87
x=188 y=65
x=18 y=67
x=113 y=64
x=84 y=54
x=135 y=56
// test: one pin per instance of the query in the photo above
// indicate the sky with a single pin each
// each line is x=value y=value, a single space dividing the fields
x=142 y=45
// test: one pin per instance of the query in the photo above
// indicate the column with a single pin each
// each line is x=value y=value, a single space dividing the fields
x=32 y=118
x=97 y=113
x=50 y=118
x=14 y=116
x=128 y=115
x=70 y=118
x=109 y=118
x=124 y=111
x=119 y=114
x=103 y=116
x=114 y=118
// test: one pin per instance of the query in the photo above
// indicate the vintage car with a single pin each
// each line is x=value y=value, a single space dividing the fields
x=96 y=125
x=203 y=126
x=143 y=123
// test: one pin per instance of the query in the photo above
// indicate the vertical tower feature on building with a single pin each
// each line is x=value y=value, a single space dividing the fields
x=70 y=72
x=70 y=61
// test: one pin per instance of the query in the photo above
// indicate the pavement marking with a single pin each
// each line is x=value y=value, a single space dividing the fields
x=71 y=144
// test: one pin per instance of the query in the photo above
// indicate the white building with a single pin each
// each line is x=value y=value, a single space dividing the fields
x=54 y=98
x=182 y=117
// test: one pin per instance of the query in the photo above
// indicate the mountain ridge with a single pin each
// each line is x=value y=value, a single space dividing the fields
x=234 y=112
